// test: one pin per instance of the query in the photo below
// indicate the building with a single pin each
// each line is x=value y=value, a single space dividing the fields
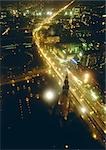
x=52 y=39
x=93 y=58
x=63 y=102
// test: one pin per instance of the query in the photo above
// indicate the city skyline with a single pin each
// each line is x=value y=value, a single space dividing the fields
x=53 y=75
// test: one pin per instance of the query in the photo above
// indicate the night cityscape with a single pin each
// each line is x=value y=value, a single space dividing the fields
x=52 y=75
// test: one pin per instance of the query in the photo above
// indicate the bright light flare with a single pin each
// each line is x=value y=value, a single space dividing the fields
x=13 y=81
x=71 y=13
x=27 y=81
x=66 y=146
x=49 y=95
x=13 y=84
x=83 y=110
x=94 y=136
x=86 y=77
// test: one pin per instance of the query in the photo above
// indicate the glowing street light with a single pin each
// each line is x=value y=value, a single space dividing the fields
x=49 y=13
x=27 y=81
x=40 y=13
x=80 y=54
x=94 y=136
x=71 y=13
x=86 y=77
x=84 y=45
x=13 y=84
x=27 y=10
x=49 y=96
x=83 y=110
x=66 y=13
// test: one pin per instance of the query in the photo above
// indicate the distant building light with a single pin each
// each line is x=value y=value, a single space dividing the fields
x=49 y=13
x=80 y=54
x=66 y=13
x=26 y=31
x=28 y=46
x=86 y=77
x=17 y=27
x=104 y=107
x=103 y=23
x=37 y=14
x=71 y=13
x=66 y=146
x=84 y=44
x=24 y=14
x=103 y=16
x=27 y=99
x=94 y=136
x=27 y=81
x=40 y=13
x=14 y=12
x=27 y=11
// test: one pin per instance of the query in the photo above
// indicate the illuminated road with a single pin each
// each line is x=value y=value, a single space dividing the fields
x=48 y=20
x=83 y=101
x=26 y=76
x=81 y=98
x=33 y=72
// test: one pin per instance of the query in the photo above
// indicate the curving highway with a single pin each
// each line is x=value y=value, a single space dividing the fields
x=81 y=98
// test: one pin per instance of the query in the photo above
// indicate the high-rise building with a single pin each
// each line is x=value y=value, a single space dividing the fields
x=63 y=102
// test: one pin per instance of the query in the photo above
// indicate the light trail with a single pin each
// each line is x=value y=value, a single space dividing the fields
x=55 y=14
x=75 y=84
x=6 y=31
x=47 y=20
x=96 y=120
x=26 y=77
